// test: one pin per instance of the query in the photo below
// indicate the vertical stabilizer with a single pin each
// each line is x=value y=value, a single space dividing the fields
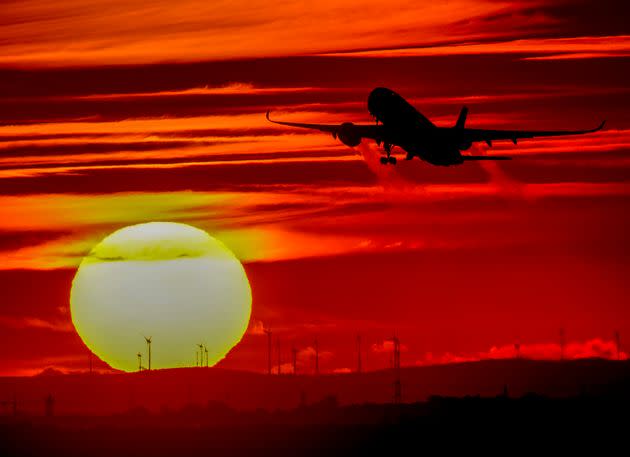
x=461 y=120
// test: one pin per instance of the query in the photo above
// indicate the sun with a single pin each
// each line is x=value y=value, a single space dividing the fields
x=168 y=281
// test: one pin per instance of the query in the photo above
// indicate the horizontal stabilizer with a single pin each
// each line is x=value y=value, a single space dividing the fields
x=486 y=158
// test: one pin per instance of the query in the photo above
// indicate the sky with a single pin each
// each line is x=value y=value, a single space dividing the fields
x=120 y=112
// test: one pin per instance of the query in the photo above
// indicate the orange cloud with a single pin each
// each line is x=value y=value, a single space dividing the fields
x=257 y=226
x=386 y=346
x=594 y=348
x=551 y=48
x=35 y=322
x=257 y=327
x=37 y=32
x=229 y=89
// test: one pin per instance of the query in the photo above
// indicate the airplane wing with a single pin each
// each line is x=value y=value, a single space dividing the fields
x=374 y=132
x=488 y=136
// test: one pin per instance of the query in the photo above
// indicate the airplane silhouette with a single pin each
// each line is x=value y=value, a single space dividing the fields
x=404 y=126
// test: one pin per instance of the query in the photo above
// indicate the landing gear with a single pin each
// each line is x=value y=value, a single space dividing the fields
x=388 y=150
x=387 y=147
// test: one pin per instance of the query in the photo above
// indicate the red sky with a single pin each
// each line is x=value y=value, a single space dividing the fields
x=114 y=113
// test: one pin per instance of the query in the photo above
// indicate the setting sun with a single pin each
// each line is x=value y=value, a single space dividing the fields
x=168 y=281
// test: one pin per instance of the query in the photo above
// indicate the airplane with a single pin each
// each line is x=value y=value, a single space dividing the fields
x=404 y=126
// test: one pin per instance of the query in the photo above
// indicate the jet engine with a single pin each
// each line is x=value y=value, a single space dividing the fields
x=348 y=135
x=464 y=145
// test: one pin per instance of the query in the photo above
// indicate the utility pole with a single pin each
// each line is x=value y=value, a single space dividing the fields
x=268 y=333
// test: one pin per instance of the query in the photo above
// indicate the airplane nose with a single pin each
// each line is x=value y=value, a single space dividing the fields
x=375 y=97
x=378 y=92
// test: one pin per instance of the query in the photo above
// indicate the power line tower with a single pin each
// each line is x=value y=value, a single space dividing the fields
x=618 y=344
x=268 y=333
x=397 y=382
x=359 y=365
x=294 y=354
x=148 y=340
x=562 y=343
x=316 y=358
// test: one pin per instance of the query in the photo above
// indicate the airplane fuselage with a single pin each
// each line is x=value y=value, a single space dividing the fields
x=409 y=129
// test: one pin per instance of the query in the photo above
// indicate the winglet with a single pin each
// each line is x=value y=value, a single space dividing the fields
x=267 y=116
x=601 y=126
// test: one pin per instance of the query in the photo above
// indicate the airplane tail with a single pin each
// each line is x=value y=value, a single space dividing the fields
x=486 y=158
x=461 y=120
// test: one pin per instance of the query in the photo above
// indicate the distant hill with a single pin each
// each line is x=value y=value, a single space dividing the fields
x=174 y=388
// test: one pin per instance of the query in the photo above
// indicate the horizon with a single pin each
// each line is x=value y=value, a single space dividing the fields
x=604 y=351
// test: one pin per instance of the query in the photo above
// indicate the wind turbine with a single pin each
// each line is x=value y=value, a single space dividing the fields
x=396 y=366
x=316 y=357
x=269 y=355
x=139 y=362
x=206 y=351
x=294 y=352
x=148 y=340
x=200 y=346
